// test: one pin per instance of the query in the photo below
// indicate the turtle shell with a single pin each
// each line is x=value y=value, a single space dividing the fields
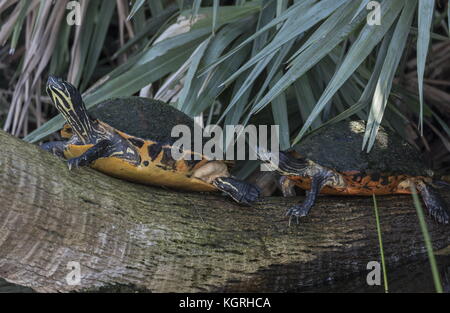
x=141 y=117
x=338 y=147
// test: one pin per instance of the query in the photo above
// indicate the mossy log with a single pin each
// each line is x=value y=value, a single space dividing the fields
x=166 y=241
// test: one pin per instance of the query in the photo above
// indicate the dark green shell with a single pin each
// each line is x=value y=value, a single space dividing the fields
x=338 y=147
x=141 y=117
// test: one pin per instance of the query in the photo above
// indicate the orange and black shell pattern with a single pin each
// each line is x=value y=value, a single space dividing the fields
x=146 y=161
x=364 y=184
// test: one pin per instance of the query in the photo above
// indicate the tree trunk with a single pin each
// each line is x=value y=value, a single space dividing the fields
x=124 y=234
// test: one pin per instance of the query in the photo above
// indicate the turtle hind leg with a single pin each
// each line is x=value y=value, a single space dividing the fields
x=318 y=181
x=242 y=192
x=434 y=202
x=286 y=186
x=54 y=147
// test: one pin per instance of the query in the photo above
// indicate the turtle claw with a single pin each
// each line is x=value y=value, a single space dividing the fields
x=290 y=219
x=298 y=211
x=71 y=164
x=76 y=163
x=439 y=214
x=435 y=204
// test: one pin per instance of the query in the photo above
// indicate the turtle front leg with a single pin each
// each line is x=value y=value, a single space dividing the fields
x=54 y=147
x=433 y=201
x=99 y=150
x=289 y=167
x=318 y=181
x=242 y=192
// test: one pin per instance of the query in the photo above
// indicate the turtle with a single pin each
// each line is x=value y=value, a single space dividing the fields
x=130 y=138
x=330 y=161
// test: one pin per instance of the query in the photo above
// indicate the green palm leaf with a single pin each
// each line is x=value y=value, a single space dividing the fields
x=426 y=8
x=368 y=38
x=390 y=65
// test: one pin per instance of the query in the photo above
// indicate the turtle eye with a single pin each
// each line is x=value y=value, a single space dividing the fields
x=68 y=89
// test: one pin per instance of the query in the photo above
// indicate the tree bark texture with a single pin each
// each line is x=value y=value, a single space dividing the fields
x=124 y=234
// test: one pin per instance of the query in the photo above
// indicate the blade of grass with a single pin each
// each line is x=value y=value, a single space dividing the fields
x=426 y=8
x=227 y=14
x=156 y=7
x=138 y=22
x=235 y=113
x=311 y=56
x=280 y=116
x=291 y=29
x=305 y=98
x=219 y=43
x=8 y=24
x=387 y=74
x=265 y=16
x=213 y=89
x=61 y=51
x=162 y=47
x=369 y=88
x=427 y=239
x=137 y=5
x=214 y=18
x=247 y=82
x=338 y=17
x=195 y=61
x=274 y=66
x=19 y=23
x=80 y=50
x=104 y=17
x=195 y=8
x=361 y=7
x=293 y=11
x=281 y=6
x=380 y=243
x=140 y=76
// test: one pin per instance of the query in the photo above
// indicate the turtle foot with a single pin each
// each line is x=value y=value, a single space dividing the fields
x=253 y=193
x=54 y=147
x=439 y=212
x=434 y=202
x=76 y=162
x=242 y=192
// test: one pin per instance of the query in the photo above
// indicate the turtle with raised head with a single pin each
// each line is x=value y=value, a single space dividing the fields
x=130 y=138
x=330 y=161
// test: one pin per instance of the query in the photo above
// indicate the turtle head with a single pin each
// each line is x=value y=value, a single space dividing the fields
x=67 y=99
